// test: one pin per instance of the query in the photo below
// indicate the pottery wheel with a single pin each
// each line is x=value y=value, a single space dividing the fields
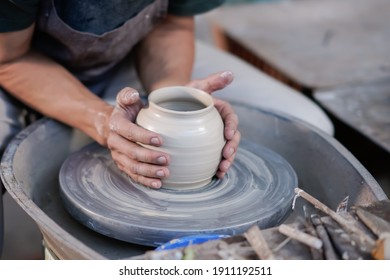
x=258 y=189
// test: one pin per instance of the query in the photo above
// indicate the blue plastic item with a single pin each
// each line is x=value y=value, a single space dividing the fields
x=189 y=240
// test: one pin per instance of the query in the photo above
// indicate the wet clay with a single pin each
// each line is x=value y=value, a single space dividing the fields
x=258 y=189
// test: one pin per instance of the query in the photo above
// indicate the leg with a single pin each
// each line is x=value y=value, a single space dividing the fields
x=256 y=88
x=12 y=120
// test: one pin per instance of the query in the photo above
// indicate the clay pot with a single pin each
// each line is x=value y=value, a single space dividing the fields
x=192 y=131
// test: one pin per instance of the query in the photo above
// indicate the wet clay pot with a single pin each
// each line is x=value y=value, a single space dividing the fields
x=192 y=131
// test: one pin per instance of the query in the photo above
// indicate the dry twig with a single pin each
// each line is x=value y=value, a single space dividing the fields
x=259 y=244
x=365 y=241
x=300 y=236
x=329 y=251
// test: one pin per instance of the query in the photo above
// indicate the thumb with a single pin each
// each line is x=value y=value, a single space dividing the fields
x=127 y=96
x=213 y=82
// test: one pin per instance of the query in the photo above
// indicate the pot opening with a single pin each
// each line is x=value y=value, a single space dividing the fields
x=182 y=105
x=181 y=99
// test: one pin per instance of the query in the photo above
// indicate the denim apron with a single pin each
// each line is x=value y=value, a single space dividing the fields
x=89 y=56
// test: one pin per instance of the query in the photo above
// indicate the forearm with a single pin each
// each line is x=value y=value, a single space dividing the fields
x=165 y=57
x=51 y=90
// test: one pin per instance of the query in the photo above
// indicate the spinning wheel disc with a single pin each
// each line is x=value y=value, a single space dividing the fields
x=258 y=189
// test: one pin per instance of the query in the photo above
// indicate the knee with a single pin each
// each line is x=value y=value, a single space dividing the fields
x=12 y=119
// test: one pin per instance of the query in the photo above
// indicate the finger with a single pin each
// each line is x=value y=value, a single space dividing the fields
x=225 y=165
x=231 y=146
x=213 y=82
x=147 y=182
x=132 y=132
x=127 y=100
x=223 y=168
x=139 y=168
x=136 y=152
x=229 y=153
x=127 y=96
x=146 y=174
x=229 y=117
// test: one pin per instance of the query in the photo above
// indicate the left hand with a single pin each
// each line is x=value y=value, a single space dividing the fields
x=210 y=84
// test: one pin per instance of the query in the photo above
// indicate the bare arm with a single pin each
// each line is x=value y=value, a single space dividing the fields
x=166 y=56
x=47 y=87
x=50 y=89
x=15 y=44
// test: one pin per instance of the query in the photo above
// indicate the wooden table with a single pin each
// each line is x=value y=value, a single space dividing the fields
x=336 y=51
x=365 y=107
x=314 y=43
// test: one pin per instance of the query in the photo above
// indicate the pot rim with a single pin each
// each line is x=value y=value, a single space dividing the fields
x=171 y=92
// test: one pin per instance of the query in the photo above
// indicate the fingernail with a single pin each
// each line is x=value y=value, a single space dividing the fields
x=228 y=75
x=156 y=184
x=226 y=166
x=161 y=160
x=231 y=151
x=155 y=141
x=131 y=95
x=230 y=133
x=160 y=173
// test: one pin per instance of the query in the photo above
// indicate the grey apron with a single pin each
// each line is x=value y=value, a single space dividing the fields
x=89 y=56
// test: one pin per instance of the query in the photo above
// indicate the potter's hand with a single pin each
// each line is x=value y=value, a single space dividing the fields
x=143 y=165
x=232 y=135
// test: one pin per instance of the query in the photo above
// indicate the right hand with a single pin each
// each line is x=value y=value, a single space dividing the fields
x=143 y=165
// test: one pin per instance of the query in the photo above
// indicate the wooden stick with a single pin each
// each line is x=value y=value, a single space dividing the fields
x=300 y=236
x=310 y=226
x=376 y=224
x=329 y=251
x=382 y=248
x=348 y=227
x=282 y=244
x=257 y=241
x=343 y=242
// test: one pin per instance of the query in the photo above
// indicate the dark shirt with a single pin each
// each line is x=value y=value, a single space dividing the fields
x=92 y=15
